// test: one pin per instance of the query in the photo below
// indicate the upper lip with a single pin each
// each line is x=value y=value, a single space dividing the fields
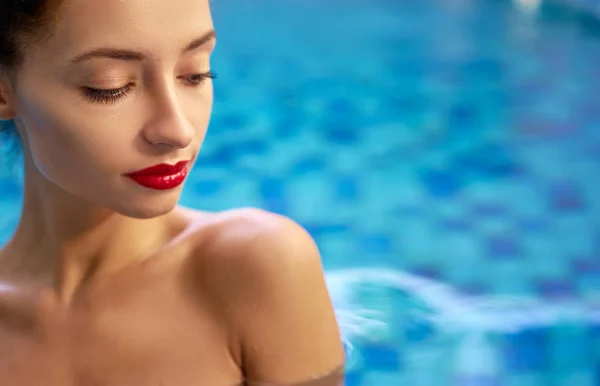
x=161 y=169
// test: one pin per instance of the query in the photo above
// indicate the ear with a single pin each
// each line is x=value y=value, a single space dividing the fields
x=7 y=109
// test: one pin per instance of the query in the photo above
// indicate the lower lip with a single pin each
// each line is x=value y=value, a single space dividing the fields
x=161 y=181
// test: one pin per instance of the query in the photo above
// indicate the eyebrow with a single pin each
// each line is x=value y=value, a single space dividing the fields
x=136 y=56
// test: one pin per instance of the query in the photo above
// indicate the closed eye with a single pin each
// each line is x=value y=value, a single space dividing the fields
x=107 y=96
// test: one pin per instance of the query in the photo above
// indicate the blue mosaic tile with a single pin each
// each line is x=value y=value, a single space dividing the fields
x=476 y=380
x=407 y=69
x=461 y=117
x=287 y=126
x=323 y=84
x=223 y=155
x=272 y=188
x=252 y=146
x=229 y=121
x=489 y=160
x=503 y=246
x=307 y=165
x=556 y=289
x=570 y=350
x=381 y=357
x=482 y=67
x=207 y=187
x=534 y=225
x=441 y=183
x=427 y=271
x=456 y=224
x=340 y=132
x=474 y=289
x=375 y=243
x=410 y=103
x=272 y=192
x=526 y=350
x=468 y=162
x=342 y=107
x=489 y=209
x=10 y=188
x=347 y=189
x=323 y=229
x=418 y=331
x=410 y=211
x=566 y=197
x=286 y=96
x=244 y=64
x=586 y=267
x=597 y=375
x=353 y=378
x=222 y=95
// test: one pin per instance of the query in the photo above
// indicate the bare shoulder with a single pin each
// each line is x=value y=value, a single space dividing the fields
x=263 y=242
x=265 y=273
x=255 y=242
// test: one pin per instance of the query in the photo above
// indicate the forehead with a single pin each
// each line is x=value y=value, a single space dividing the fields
x=161 y=25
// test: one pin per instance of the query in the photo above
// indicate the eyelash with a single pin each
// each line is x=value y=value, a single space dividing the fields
x=113 y=95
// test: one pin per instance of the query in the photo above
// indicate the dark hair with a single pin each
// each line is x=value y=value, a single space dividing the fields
x=22 y=23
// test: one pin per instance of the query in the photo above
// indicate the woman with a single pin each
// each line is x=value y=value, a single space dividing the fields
x=105 y=280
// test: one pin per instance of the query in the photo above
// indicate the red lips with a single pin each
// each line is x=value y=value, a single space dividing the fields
x=161 y=177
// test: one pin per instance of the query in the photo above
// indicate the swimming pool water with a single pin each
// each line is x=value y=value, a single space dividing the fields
x=445 y=155
x=592 y=6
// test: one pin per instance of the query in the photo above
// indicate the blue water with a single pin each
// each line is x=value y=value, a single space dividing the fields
x=592 y=6
x=445 y=155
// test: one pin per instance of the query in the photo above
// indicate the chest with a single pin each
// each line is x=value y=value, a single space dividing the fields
x=126 y=343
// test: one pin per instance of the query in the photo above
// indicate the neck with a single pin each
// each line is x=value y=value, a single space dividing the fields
x=64 y=242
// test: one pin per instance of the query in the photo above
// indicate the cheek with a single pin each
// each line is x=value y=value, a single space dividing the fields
x=62 y=138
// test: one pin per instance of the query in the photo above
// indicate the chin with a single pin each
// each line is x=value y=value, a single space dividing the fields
x=149 y=208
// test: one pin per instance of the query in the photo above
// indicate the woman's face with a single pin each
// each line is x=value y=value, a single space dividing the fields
x=152 y=58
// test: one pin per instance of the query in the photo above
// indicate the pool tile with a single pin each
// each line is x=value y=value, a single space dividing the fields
x=441 y=183
x=476 y=380
x=556 y=289
x=566 y=196
x=382 y=358
x=502 y=246
x=526 y=350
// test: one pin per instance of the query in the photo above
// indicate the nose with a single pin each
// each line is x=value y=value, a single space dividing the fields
x=170 y=128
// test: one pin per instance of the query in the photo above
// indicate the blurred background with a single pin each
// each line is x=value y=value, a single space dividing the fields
x=445 y=155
